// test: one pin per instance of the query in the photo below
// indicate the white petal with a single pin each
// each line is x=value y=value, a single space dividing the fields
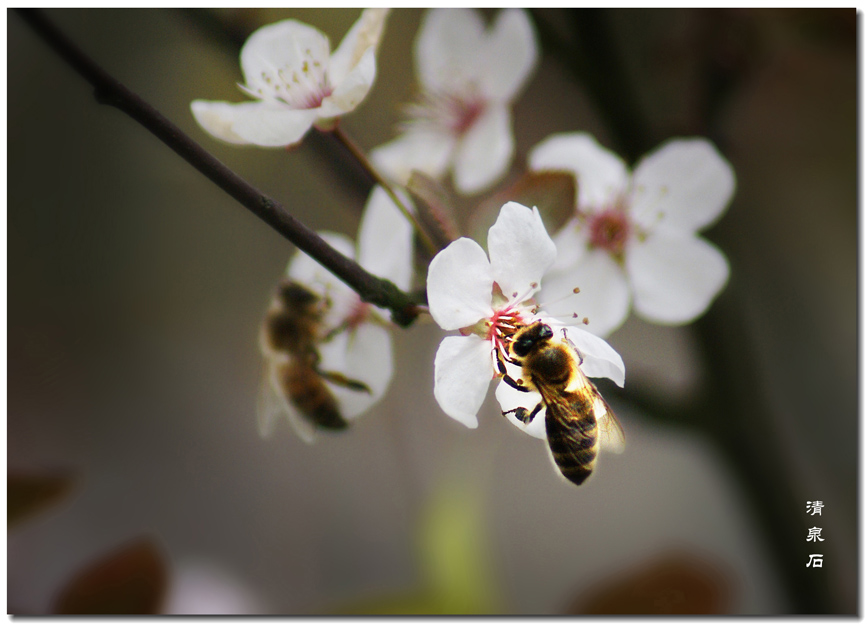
x=604 y=296
x=386 y=240
x=282 y=46
x=217 y=118
x=599 y=359
x=350 y=92
x=484 y=153
x=428 y=151
x=364 y=355
x=459 y=285
x=685 y=184
x=446 y=47
x=310 y=273
x=261 y=123
x=364 y=35
x=510 y=398
x=600 y=173
x=520 y=249
x=572 y=244
x=509 y=55
x=462 y=374
x=675 y=276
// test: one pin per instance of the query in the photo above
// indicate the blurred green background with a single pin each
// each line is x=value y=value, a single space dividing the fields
x=136 y=288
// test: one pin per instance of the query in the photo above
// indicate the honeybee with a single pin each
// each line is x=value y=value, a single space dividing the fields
x=294 y=385
x=577 y=417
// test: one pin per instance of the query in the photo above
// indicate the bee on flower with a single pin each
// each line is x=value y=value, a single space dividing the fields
x=328 y=354
x=489 y=298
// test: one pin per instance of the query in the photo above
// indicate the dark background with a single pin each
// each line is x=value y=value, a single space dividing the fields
x=136 y=287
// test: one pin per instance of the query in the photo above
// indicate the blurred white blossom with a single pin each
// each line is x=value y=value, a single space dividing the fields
x=201 y=586
x=487 y=297
x=357 y=343
x=634 y=235
x=469 y=75
x=288 y=68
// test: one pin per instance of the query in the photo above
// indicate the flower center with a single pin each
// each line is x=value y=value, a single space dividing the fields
x=453 y=113
x=609 y=230
x=508 y=315
x=303 y=86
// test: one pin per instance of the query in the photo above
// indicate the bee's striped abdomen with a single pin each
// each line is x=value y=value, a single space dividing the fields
x=573 y=443
x=311 y=396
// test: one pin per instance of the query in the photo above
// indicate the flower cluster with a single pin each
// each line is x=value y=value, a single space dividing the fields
x=631 y=239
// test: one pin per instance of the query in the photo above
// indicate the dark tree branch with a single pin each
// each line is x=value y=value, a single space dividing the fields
x=108 y=90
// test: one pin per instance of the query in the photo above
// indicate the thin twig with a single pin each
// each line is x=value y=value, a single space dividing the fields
x=362 y=158
x=107 y=90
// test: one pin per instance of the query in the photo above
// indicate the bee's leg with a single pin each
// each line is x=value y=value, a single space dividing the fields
x=499 y=357
x=509 y=380
x=575 y=348
x=339 y=379
x=522 y=414
x=515 y=384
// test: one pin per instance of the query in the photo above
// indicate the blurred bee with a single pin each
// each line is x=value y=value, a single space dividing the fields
x=294 y=385
x=577 y=417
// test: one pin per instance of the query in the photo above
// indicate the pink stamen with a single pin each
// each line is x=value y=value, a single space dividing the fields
x=314 y=100
x=464 y=114
x=609 y=230
x=455 y=113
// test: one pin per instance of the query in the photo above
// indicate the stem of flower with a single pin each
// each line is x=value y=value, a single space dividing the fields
x=107 y=90
x=362 y=158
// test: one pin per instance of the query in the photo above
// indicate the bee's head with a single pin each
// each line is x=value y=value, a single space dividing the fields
x=530 y=336
x=295 y=295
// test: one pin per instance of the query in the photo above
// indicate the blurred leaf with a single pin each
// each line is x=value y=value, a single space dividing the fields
x=456 y=571
x=456 y=564
x=436 y=211
x=130 y=580
x=553 y=193
x=674 y=584
x=30 y=493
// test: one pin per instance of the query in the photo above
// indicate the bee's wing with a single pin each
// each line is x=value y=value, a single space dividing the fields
x=267 y=408
x=271 y=405
x=610 y=432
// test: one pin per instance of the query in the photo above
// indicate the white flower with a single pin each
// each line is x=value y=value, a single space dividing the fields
x=469 y=76
x=634 y=235
x=287 y=68
x=487 y=297
x=358 y=344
